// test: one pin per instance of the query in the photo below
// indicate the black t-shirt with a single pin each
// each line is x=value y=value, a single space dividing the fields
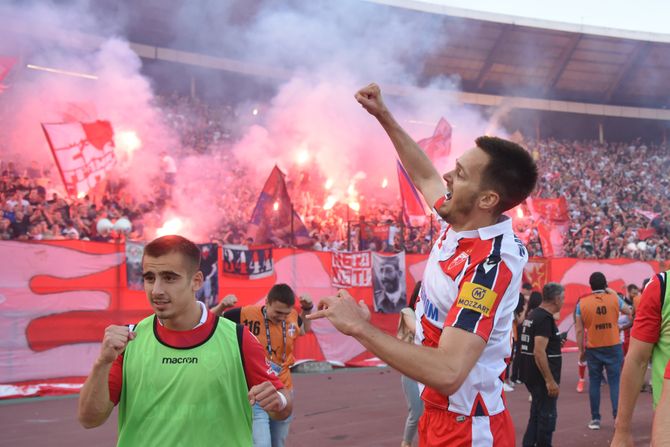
x=540 y=323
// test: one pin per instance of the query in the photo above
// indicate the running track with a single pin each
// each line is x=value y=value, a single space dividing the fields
x=360 y=407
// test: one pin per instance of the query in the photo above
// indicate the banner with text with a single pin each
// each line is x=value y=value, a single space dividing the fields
x=353 y=269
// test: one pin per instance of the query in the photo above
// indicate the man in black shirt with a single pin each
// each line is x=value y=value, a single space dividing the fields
x=519 y=315
x=541 y=365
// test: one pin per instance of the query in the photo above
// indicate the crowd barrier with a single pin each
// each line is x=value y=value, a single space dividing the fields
x=57 y=297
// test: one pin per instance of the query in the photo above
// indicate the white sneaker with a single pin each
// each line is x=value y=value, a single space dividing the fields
x=507 y=388
x=594 y=424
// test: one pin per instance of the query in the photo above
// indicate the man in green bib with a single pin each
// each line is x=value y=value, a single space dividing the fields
x=649 y=339
x=182 y=376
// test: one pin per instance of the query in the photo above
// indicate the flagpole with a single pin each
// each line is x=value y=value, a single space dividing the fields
x=348 y=231
x=292 y=233
x=60 y=169
x=431 y=231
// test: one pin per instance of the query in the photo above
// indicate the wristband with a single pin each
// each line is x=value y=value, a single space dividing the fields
x=307 y=308
x=284 y=402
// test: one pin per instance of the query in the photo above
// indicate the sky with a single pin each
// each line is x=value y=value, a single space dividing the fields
x=639 y=15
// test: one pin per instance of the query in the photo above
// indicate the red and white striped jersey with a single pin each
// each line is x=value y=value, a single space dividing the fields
x=472 y=281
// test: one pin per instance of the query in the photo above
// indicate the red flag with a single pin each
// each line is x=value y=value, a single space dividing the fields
x=553 y=221
x=554 y=209
x=6 y=64
x=84 y=153
x=413 y=211
x=78 y=111
x=645 y=233
x=274 y=218
x=439 y=145
x=544 y=233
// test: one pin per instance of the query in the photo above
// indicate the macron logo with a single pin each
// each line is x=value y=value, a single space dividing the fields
x=179 y=360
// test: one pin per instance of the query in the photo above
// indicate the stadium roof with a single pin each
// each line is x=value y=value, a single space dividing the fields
x=520 y=57
x=499 y=54
x=495 y=57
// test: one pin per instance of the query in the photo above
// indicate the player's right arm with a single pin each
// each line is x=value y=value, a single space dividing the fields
x=95 y=404
x=419 y=167
x=644 y=335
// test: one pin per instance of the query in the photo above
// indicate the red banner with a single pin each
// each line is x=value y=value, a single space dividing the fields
x=574 y=275
x=57 y=297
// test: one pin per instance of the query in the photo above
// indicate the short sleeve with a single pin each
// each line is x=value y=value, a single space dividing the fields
x=116 y=380
x=256 y=368
x=647 y=323
x=233 y=314
x=543 y=327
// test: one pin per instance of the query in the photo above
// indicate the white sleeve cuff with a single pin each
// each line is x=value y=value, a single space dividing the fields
x=284 y=402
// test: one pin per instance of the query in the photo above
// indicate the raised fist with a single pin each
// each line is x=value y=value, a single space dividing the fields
x=370 y=97
x=114 y=342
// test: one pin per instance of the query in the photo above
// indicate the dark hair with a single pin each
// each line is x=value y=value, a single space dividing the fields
x=165 y=245
x=390 y=260
x=282 y=293
x=511 y=171
x=415 y=295
x=551 y=291
x=534 y=301
x=597 y=281
x=527 y=286
x=632 y=287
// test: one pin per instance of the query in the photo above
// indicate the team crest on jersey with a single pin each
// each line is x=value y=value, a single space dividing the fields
x=291 y=330
x=454 y=266
x=476 y=297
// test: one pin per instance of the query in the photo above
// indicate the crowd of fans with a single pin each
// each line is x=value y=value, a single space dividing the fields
x=617 y=197
x=198 y=123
